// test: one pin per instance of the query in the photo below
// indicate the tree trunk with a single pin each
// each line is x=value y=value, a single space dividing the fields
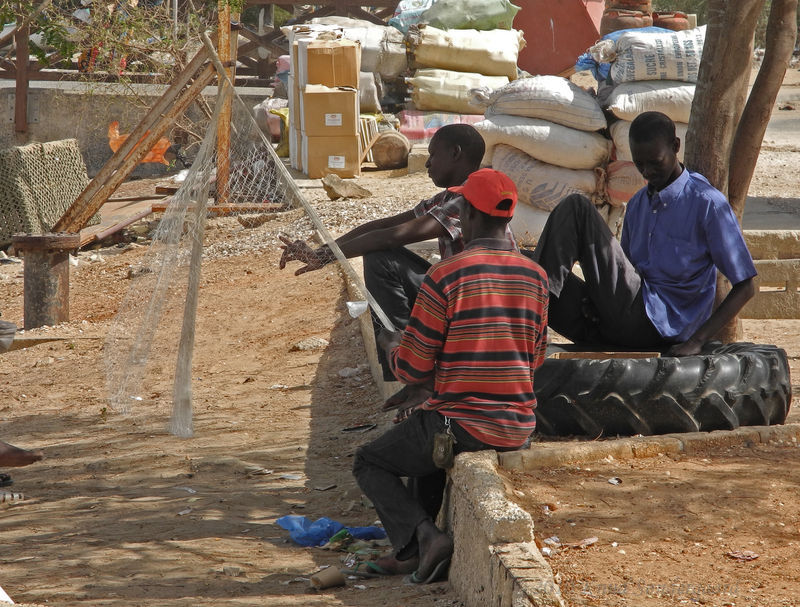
x=721 y=87
x=781 y=34
x=725 y=135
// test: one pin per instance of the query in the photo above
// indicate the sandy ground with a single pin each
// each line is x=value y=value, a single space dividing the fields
x=719 y=528
x=120 y=512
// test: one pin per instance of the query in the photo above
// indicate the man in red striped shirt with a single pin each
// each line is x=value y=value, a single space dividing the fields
x=477 y=333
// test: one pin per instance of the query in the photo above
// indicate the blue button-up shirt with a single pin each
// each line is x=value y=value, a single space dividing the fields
x=675 y=239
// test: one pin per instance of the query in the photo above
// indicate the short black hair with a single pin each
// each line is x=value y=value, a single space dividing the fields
x=503 y=205
x=466 y=137
x=652 y=125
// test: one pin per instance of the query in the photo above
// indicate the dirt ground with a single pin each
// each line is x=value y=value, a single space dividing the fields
x=122 y=513
x=720 y=528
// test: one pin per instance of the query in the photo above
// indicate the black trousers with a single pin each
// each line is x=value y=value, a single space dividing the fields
x=606 y=307
x=406 y=450
x=394 y=277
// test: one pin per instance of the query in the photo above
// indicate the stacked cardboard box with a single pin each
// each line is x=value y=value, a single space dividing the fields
x=324 y=112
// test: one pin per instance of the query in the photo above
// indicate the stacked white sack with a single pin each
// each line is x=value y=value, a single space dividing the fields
x=544 y=140
x=487 y=52
x=448 y=91
x=540 y=132
x=453 y=62
x=383 y=48
x=651 y=72
x=653 y=56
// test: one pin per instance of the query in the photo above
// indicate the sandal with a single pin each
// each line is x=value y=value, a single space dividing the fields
x=439 y=572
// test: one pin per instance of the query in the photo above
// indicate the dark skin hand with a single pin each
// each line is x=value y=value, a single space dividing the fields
x=378 y=235
x=738 y=296
x=411 y=396
x=447 y=166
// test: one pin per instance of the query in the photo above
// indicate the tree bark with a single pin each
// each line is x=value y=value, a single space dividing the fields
x=721 y=87
x=781 y=34
x=725 y=135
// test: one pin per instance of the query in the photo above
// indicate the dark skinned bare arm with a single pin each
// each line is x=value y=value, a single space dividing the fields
x=736 y=299
x=381 y=234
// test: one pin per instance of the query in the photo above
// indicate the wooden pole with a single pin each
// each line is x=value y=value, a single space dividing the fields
x=78 y=216
x=21 y=93
x=75 y=217
x=224 y=123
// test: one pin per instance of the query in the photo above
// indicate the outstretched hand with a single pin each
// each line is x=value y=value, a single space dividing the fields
x=298 y=250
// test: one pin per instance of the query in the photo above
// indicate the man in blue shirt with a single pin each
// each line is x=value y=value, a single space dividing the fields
x=654 y=289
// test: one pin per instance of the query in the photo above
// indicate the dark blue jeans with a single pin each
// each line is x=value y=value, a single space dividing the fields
x=406 y=450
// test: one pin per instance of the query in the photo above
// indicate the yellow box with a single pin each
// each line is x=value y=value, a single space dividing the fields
x=329 y=112
x=324 y=155
x=329 y=62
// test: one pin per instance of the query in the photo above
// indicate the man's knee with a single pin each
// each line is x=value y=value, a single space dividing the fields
x=574 y=203
x=376 y=262
x=360 y=463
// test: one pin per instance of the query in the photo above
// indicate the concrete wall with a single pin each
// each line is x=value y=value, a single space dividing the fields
x=495 y=562
x=83 y=111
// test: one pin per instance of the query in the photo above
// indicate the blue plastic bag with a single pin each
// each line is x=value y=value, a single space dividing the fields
x=317 y=533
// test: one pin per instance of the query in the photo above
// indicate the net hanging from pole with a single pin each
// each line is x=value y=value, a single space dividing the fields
x=155 y=321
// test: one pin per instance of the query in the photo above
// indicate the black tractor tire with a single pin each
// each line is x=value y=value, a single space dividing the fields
x=722 y=388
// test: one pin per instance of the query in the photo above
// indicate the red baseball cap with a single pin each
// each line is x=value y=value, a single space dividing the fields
x=485 y=189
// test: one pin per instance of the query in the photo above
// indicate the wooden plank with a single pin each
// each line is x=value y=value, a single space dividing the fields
x=116 y=170
x=26 y=342
x=167 y=189
x=75 y=216
x=604 y=355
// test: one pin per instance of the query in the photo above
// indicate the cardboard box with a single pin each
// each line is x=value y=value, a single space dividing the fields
x=324 y=155
x=329 y=112
x=295 y=111
x=328 y=62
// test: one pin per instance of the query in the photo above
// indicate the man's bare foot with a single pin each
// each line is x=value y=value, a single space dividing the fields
x=12 y=457
x=390 y=565
x=435 y=550
x=408 y=397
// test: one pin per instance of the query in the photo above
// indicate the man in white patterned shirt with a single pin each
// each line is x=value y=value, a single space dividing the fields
x=392 y=273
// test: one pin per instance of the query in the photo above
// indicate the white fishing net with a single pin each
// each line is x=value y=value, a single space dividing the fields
x=167 y=282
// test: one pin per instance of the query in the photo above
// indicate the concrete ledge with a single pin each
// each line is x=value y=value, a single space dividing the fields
x=386 y=388
x=551 y=455
x=777 y=293
x=495 y=561
x=773 y=244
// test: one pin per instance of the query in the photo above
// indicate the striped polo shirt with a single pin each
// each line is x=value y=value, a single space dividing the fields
x=479 y=329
